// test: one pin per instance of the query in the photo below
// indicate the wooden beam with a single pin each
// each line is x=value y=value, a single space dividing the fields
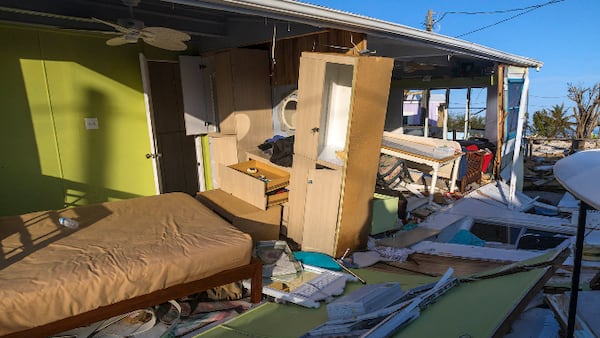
x=456 y=82
x=501 y=118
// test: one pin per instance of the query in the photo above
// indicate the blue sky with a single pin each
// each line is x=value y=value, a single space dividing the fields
x=563 y=35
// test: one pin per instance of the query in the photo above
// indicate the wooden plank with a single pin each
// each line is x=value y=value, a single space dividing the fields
x=321 y=213
x=371 y=87
x=501 y=117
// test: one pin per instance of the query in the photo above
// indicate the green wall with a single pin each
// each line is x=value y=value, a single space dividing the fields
x=50 y=82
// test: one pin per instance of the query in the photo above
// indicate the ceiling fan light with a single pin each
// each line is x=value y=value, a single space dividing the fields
x=131 y=37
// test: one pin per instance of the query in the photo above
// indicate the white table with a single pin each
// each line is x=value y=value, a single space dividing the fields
x=401 y=147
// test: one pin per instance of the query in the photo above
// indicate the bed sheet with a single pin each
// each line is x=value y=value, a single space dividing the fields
x=121 y=250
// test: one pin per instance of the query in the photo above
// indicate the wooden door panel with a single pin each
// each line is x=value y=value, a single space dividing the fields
x=321 y=211
x=178 y=164
x=310 y=104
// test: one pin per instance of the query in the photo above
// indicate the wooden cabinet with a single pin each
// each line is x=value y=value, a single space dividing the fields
x=341 y=110
x=242 y=92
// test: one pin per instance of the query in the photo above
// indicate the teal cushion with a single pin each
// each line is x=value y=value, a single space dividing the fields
x=317 y=259
x=466 y=237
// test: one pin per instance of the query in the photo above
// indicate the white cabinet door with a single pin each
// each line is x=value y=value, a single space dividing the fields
x=197 y=78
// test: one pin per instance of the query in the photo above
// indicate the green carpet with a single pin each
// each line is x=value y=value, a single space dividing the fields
x=474 y=309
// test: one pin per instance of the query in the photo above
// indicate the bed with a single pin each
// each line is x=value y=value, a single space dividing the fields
x=125 y=255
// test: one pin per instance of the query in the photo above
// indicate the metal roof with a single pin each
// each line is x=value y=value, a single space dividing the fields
x=327 y=17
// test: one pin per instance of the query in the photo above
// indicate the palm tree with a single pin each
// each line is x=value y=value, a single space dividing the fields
x=563 y=127
x=553 y=122
x=542 y=124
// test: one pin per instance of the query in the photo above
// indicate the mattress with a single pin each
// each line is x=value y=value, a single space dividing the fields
x=121 y=250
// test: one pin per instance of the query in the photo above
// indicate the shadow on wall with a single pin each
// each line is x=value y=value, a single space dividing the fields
x=52 y=82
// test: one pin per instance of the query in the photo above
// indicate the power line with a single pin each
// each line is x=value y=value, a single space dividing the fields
x=522 y=11
x=548 y=97
x=498 y=11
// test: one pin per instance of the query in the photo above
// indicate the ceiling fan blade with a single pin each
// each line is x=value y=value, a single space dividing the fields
x=119 y=41
x=114 y=25
x=173 y=45
x=164 y=33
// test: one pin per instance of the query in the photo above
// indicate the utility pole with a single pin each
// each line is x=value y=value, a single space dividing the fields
x=429 y=22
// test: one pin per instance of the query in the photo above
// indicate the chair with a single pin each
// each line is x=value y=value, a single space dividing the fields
x=474 y=161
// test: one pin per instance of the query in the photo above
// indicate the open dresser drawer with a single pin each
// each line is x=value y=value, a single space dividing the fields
x=255 y=182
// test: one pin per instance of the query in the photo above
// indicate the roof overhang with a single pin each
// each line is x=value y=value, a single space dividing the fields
x=295 y=11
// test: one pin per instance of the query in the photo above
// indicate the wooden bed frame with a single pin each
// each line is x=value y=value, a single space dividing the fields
x=252 y=271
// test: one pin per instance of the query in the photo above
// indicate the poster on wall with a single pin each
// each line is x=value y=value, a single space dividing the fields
x=514 y=93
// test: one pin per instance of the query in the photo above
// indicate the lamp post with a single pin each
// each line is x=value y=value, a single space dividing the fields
x=578 y=175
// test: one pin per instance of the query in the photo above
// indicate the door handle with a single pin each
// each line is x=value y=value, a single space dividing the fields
x=155 y=156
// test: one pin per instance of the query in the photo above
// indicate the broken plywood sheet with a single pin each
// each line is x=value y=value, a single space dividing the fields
x=473 y=252
x=499 y=191
x=491 y=213
x=459 y=312
x=568 y=203
x=404 y=239
x=431 y=265
x=472 y=311
x=447 y=224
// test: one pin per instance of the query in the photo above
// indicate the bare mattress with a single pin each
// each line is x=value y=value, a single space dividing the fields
x=121 y=250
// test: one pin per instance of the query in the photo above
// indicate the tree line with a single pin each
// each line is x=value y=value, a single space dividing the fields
x=557 y=122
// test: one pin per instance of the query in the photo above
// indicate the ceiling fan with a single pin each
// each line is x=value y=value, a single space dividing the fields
x=161 y=37
x=129 y=30
x=132 y=30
